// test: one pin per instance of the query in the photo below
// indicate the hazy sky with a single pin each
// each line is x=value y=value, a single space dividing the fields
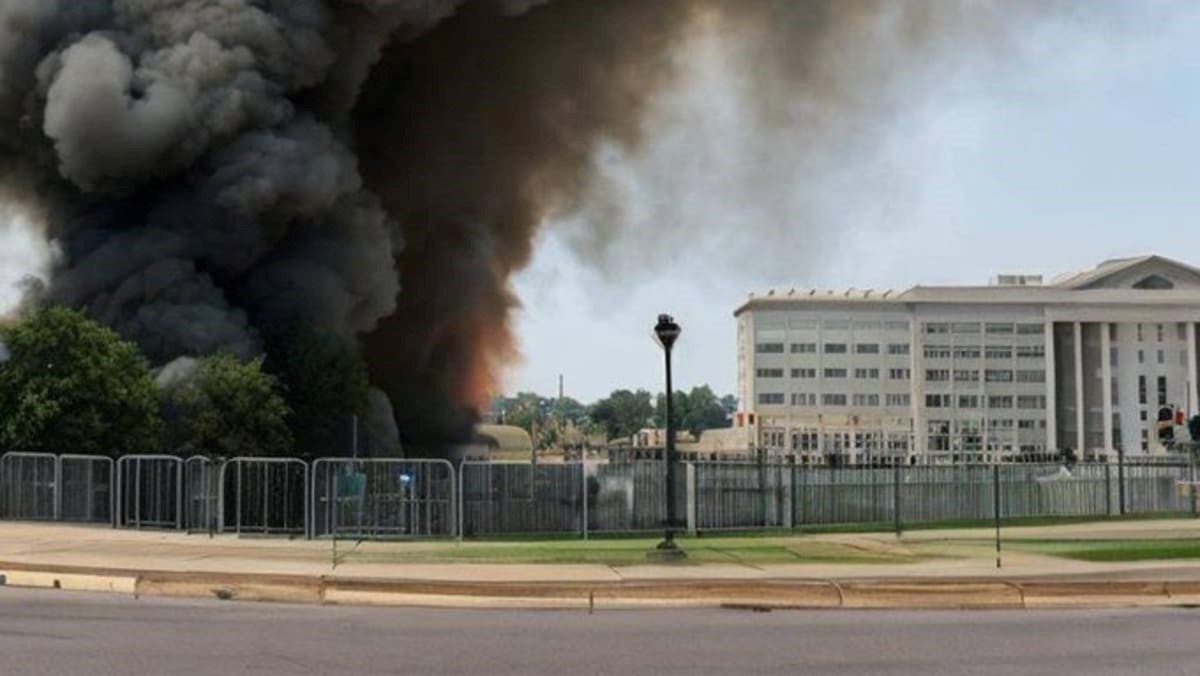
x=1082 y=146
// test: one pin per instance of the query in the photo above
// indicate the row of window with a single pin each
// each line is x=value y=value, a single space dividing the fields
x=964 y=401
x=1001 y=401
x=895 y=349
x=988 y=352
x=989 y=375
x=834 y=373
x=1159 y=332
x=991 y=328
x=846 y=325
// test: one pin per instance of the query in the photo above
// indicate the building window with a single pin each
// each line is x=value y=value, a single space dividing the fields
x=898 y=348
x=899 y=374
x=1026 y=424
x=867 y=348
x=1162 y=357
x=835 y=373
x=1139 y=333
x=1031 y=351
x=1112 y=332
x=937 y=401
x=866 y=400
x=804 y=373
x=1031 y=376
x=769 y=348
x=835 y=348
x=1030 y=329
x=1159 y=332
x=1000 y=401
x=998 y=352
x=1142 y=389
x=867 y=374
x=1115 y=391
x=966 y=375
x=1145 y=440
x=967 y=328
x=998 y=376
x=1031 y=401
x=1141 y=356
x=1181 y=331
x=770 y=398
x=937 y=375
x=804 y=399
x=966 y=353
x=769 y=373
x=968 y=401
x=1142 y=415
x=897 y=399
x=937 y=351
x=938 y=435
x=833 y=399
x=1112 y=356
x=936 y=328
x=999 y=329
x=1162 y=390
x=804 y=348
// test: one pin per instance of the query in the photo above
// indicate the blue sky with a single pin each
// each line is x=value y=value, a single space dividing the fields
x=1083 y=146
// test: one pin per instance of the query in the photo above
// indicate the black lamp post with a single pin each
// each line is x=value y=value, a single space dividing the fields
x=667 y=331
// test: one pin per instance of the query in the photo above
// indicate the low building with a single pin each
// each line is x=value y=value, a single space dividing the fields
x=943 y=374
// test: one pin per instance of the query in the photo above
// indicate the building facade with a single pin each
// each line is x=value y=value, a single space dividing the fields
x=1016 y=369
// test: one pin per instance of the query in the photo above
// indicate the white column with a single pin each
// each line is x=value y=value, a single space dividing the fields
x=1106 y=383
x=1051 y=385
x=1192 y=405
x=1079 y=436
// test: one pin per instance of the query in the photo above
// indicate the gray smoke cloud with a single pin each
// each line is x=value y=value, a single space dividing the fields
x=380 y=168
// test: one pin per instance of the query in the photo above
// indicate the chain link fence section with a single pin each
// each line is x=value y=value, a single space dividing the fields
x=200 y=475
x=150 y=491
x=30 y=486
x=266 y=496
x=378 y=498
x=503 y=498
x=85 y=488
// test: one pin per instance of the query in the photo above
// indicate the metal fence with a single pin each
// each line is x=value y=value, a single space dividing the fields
x=383 y=498
x=150 y=491
x=85 y=490
x=264 y=495
x=390 y=498
x=30 y=486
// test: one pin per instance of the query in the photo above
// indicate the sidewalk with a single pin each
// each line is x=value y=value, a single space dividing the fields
x=176 y=564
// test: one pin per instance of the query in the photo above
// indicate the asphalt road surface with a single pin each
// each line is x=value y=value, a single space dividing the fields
x=50 y=632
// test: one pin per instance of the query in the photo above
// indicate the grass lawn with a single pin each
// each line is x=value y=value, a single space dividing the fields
x=1112 y=550
x=748 y=551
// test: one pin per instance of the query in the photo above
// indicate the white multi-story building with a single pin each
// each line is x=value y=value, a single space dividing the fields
x=973 y=373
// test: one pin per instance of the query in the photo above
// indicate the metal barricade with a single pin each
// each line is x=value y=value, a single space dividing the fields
x=85 y=488
x=150 y=491
x=269 y=496
x=200 y=478
x=29 y=482
x=521 y=497
x=375 y=498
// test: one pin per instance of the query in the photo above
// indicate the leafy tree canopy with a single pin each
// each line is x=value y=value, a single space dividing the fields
x=70 y=385
x=623 y=413
x=227 y=408
x=324 y=381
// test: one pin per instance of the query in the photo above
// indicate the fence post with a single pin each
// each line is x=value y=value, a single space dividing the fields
x=1108 y=489
x=58 y=489
x=996 y=507
x=690 y=480
x=790 y=515
x=1121 y=480
x=583 y=487
x=896 y=484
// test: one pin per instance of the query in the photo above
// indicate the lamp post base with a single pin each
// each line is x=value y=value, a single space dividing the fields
x=666 y=551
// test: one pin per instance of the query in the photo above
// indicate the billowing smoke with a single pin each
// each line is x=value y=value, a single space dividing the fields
x=379 y=168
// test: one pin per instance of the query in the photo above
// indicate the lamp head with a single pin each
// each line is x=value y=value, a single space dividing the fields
x=666 y=331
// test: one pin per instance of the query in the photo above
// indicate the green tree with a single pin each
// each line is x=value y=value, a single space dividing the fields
x=324 y=381
x=227 y=408
x=623 y=412
x=704 y=411
x=70 y=385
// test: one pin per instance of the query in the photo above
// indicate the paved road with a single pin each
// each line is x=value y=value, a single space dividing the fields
x=49 y=632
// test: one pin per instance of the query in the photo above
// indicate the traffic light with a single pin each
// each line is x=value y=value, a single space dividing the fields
x=1166 y=425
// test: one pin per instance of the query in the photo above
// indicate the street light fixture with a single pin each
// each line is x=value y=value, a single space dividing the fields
x=666 y=331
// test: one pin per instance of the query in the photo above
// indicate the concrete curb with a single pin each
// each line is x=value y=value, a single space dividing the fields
x=757 y=594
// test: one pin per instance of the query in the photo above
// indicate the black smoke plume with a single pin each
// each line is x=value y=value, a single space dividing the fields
x=379 y=168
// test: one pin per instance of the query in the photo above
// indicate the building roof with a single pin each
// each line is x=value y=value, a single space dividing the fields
x=505 y=437
x=1107 y=283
